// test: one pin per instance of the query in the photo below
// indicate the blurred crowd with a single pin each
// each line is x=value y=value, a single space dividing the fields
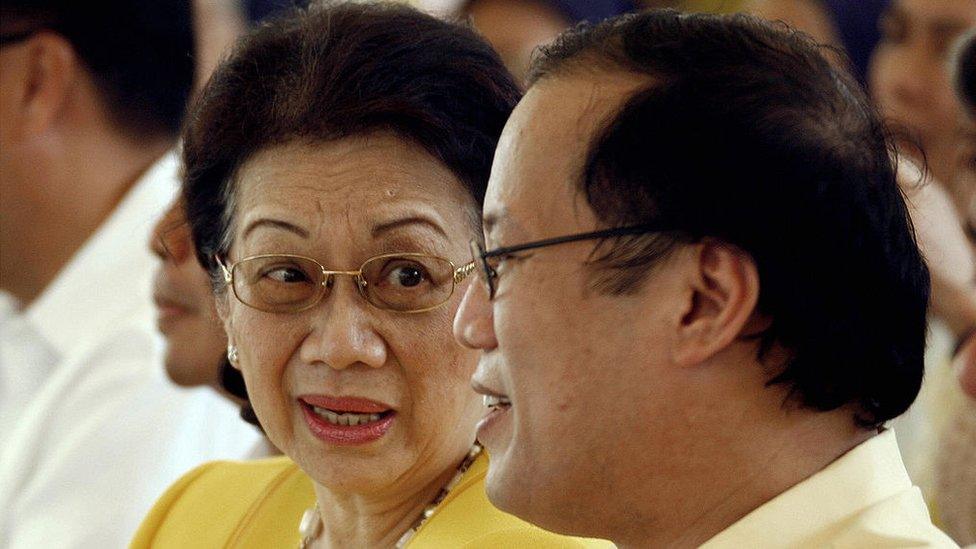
x=118 y=370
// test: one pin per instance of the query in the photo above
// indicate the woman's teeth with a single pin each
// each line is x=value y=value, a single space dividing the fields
x=345 y=419
x=494 y=401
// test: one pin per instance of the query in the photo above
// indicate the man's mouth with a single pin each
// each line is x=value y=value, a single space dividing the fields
x=492 y=399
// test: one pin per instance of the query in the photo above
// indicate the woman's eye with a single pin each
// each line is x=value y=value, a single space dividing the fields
x=288 y=275
x=407 y=276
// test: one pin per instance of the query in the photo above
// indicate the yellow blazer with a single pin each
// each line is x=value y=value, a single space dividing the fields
x=259 y=504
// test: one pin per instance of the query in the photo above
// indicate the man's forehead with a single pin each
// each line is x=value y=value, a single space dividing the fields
x=581 y=100
x=543 y=149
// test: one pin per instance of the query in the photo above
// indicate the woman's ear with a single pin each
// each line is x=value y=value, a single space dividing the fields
x=724 y=293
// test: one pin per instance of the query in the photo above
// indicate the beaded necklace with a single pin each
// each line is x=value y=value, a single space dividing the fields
x=311 y=523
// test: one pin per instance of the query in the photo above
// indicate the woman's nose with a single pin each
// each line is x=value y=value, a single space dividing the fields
x=343 y=334
x=473 y=323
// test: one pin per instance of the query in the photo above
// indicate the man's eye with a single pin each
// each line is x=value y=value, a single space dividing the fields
x=498 y=262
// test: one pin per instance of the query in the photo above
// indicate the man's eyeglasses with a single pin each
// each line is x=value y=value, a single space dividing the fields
x=401 y=282
x=487 y=261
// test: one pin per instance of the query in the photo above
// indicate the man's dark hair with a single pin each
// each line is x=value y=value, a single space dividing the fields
x=746 y=134
x=336 y=70
x=139 y=53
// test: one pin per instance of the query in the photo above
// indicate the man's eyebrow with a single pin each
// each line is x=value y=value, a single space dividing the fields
x=274 y=223
x=387 y=226
x=947 y=27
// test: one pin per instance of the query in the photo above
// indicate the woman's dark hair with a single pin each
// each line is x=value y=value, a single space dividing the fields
x=746 y=134
x=336 y=70
x=231 y=380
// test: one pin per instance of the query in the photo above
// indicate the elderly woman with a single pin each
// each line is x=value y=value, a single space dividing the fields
x=335 y=166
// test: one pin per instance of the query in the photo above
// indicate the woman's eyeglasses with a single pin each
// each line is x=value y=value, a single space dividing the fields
x=401 y=282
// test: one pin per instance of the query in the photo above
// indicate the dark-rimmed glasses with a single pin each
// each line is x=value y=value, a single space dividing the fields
x=400 y=282
x=487 y=261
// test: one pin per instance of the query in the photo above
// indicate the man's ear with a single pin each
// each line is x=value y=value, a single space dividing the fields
x=50 y=75
x=724 y=284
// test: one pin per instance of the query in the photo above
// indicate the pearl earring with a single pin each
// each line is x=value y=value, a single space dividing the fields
x=232 y=355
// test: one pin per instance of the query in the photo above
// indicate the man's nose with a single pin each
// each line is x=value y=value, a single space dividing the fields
x=473 y=323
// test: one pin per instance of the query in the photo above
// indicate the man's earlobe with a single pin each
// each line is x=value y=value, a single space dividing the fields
x=724 y=291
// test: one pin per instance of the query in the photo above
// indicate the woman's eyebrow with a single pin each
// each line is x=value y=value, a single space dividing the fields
x=387 y=226
x=274 y=223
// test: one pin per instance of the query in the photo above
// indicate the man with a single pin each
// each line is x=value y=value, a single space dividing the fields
x=716 y=363
x=91 y=100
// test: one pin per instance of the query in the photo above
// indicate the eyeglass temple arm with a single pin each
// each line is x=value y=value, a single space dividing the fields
x=606 y=233
x=226 y=271
x=463 y=271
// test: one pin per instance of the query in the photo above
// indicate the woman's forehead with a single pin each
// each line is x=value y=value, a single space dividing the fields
x=347 y=177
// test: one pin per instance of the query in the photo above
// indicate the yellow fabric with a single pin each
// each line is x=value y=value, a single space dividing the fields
x=258 y=504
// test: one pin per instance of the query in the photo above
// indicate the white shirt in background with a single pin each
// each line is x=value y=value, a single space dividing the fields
x=92 y=430
x=863 y=499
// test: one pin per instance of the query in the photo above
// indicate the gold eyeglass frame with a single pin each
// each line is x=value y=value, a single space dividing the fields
x=460 y=273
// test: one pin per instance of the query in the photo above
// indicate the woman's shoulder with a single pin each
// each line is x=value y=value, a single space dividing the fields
x=467 y=519
x=229 y=502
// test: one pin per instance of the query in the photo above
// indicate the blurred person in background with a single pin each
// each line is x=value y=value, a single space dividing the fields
x=910 y=81
x=195 y=344
x=653 y=293
x=91 y=102
x=851 y=25
x=516 y=27
x=334 y=172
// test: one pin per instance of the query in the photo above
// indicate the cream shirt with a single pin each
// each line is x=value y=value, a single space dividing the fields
x=863 y=499
x=92 y=430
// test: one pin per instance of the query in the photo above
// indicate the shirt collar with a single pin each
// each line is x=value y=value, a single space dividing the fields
x=869 y=473
x=108 y=279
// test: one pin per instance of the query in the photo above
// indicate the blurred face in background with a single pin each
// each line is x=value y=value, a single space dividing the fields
x=910 y=78
x=186 y=312
x=515 y=28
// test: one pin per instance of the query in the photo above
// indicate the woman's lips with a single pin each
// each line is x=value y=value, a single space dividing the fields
x=346 y=404
x=346 y=421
